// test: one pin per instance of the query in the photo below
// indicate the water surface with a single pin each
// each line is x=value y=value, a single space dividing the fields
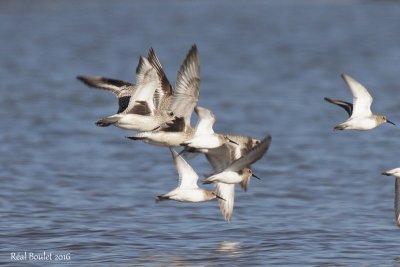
x=68 y=186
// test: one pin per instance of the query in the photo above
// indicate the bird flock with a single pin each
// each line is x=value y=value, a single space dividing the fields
x=161 y=115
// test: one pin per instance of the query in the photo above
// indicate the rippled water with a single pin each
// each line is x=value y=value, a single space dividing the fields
x=70 y=188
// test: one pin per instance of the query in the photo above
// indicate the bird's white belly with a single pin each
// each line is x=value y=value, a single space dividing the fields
x=137 y=122
x=166 y=138
x=362 y=124
x=205 y=142
x=189 y=195
x=228 y=177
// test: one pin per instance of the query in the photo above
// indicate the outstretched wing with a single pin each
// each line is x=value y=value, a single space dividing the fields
x=206 y=120
x=121 y=89
x=146 y=84
x=111 y=85
x=187 y=86
x=220 y=157
x=187 y=176
x=227 y=192
x=164 y=90
x=362 y=100
x=343 y=104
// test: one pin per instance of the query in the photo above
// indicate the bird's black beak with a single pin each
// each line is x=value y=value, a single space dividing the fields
x=388 y=121
x=233 y=142
x=385 y=173
x=255 y=176
x=218 y=197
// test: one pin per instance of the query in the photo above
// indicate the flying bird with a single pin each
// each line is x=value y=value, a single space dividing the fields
x=360 y=115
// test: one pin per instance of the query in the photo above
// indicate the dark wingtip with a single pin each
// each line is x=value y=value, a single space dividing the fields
x=329 y=100
x=337 y=127
x=102 y=123
x=151 y=52
x=161 y=198
x=84 y=79
x=134 y=137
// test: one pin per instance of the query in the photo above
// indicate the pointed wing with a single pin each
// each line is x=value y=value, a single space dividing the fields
x=187 y=176
x=164 y=91
x=205 y=121
x=227 y=192
x=397 y=200
x=142 y=68
x=187 y=86
x=121 y=89
x=117 y=87
x=146 y=84
x=362 y=100
x=343 y=104
x=252 y=156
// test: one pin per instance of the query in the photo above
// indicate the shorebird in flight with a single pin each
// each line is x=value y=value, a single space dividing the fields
x=360 y=115
x=187 y=190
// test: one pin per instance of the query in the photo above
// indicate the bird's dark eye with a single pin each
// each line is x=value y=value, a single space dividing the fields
x=171 y=113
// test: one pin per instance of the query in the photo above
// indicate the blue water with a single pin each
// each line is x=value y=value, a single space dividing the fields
x=71 y=188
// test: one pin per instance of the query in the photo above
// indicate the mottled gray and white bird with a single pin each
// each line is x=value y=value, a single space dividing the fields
x=142 y=113
x=360 y=115
x=140 y=105
x=395 y=173
x=183 y=101
x=187 y=190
